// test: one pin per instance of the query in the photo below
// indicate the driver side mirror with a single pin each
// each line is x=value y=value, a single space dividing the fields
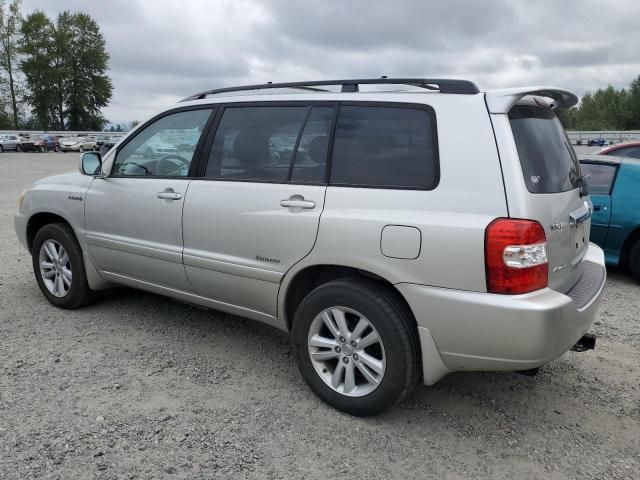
x=91 y=164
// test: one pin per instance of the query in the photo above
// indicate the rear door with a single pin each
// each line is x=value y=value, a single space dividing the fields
x=255 y=211
x=600 y=177
x=552 y=177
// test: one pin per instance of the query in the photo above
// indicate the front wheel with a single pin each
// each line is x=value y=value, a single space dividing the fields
x=56 y=149
x=42 y=149
x=81 y=149
x=59 y=267
x=18 y=148
x=356 y=346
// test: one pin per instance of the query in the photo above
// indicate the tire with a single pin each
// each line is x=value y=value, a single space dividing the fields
x=75 y=294
x=18 y=148
x=81 y=149
x=634 y=260
x=41 y=149
x=56 y=149
x=1 y=149
x=398 y=350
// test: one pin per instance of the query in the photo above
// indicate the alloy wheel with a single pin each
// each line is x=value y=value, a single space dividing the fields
x=346 y=351
x=55 y=268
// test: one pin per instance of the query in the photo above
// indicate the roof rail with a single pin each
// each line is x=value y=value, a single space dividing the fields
x=443 y=85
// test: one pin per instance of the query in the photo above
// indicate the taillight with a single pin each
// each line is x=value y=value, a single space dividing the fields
x=515 y=256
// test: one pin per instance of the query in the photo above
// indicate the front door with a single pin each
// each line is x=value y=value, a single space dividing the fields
x=257 y=209
x=133 y=217
x=600 y=177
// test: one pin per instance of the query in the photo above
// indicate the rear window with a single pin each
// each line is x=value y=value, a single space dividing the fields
x=548 y=161
x=385 y=147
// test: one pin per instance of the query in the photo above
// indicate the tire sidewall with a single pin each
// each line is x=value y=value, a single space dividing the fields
x=634 y=261
x=398 y=371
x=62 y=235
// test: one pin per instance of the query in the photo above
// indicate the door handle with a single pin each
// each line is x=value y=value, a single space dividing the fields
x=169 y=194
x=597 y=208
x=298 y=202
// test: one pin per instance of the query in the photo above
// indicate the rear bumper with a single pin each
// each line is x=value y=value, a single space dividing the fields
x=483 y=331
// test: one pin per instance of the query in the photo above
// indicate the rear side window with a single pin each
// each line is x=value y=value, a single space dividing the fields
x=385 y=147
x=599 y=177
x=548 y=161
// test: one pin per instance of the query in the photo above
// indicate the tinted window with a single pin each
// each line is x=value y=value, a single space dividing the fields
x=599 y=177
x=548 y=161
x=255 y=143
x=385 y=147
x=164 y=148
x=632 y=152
x=311 y=156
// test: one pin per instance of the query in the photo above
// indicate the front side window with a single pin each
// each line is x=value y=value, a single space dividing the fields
x=385 y=147
x=164 y=148
x=599 y=177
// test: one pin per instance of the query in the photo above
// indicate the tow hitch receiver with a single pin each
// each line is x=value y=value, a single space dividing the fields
x=587 y=342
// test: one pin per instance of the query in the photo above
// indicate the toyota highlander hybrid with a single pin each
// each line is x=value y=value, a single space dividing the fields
x=397 y=235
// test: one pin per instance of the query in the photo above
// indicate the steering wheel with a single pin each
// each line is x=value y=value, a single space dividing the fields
x=171 y=165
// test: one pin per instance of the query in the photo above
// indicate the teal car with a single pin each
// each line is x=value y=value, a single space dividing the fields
x=614 y=188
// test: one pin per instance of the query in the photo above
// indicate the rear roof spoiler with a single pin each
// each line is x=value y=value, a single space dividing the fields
x=501 y=101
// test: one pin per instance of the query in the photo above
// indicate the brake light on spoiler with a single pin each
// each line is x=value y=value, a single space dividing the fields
x=515 y=256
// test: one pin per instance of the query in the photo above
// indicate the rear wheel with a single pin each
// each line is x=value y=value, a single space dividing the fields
x=356 y=346
x=1 y=149
x=59 y=267
x=81 y=149
x=42 y=149
x=18 y=148
x=634 y=260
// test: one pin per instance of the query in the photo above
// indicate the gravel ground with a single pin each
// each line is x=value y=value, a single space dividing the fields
x=140 y=386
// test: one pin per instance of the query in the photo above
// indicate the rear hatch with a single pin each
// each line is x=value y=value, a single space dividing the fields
x=552 y=176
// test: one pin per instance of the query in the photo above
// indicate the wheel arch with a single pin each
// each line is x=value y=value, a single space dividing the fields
x=628 y=244
x=39 y=220
x=298 y=284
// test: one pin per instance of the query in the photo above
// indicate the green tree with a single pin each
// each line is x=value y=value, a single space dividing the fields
x=606 y=109
x=65 y=64
x=568 y=117
x=36 y=65
x=10 y=18
x=633 y=98
x=87 y=87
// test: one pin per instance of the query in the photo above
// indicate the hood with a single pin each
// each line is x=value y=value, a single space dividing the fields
x=72 y=178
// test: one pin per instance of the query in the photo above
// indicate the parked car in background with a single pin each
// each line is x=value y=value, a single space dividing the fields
x=614 y=188
x=9 y=142
x=324 y=214
x=77 y=144
x=625 y=149
x=108 y=143
x=45 y=142
x=25 y=144
x=596 y=142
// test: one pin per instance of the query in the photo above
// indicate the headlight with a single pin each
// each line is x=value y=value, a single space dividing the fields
x=21 y=199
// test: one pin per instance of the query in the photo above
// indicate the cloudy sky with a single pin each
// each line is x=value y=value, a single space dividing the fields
x=163 y=50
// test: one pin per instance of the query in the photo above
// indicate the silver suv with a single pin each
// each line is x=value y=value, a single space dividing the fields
x=397 y=235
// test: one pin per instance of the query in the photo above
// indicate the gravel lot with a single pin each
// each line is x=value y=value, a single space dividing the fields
x=139 y=386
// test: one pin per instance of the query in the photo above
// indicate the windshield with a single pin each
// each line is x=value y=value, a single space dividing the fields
x=548 y=161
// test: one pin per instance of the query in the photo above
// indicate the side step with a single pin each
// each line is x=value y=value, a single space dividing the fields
x=587 y=342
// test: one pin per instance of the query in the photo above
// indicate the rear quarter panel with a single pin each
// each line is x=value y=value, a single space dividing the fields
x=451 y=218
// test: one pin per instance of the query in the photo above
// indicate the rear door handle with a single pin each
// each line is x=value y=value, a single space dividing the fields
x=597 y=208
x=169 y=194
x=298 y=203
